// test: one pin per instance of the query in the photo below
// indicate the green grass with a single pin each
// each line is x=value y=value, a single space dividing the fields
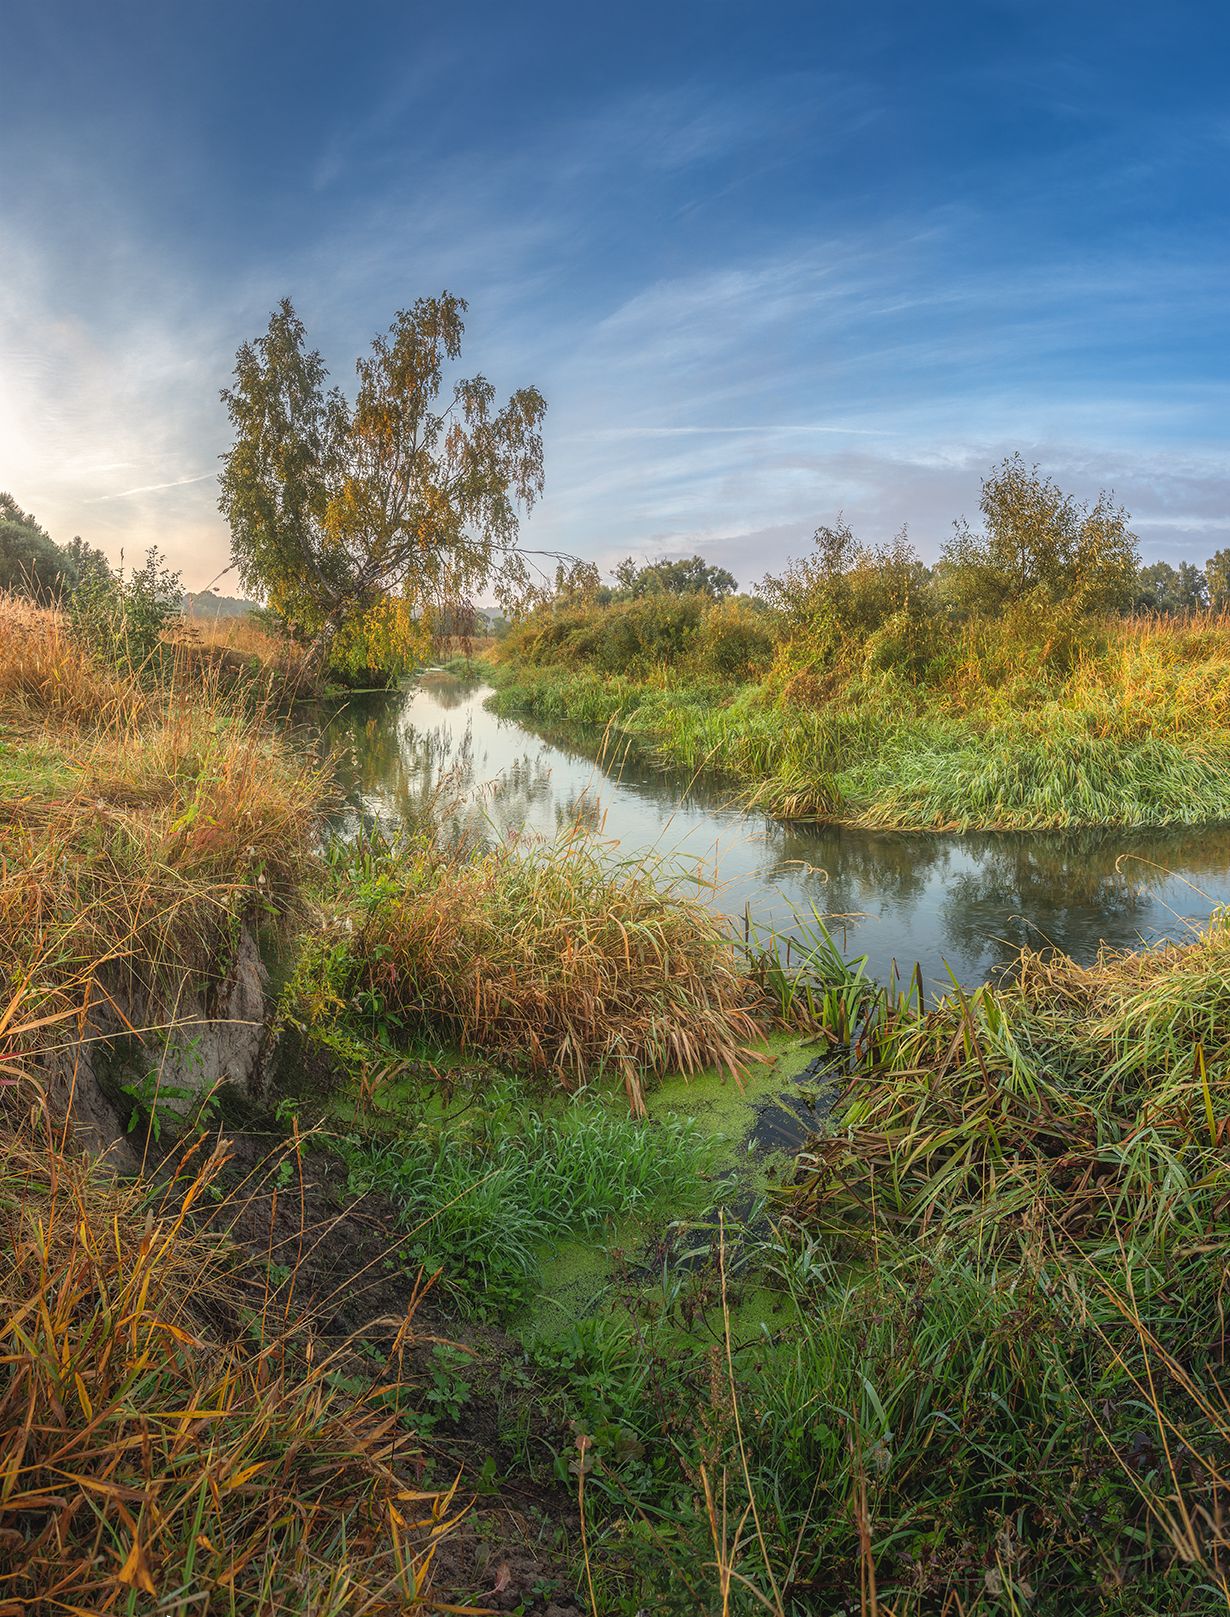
x=976 y=1361
x=34 y=768
x=1135 y=732
x=956 y=1431
x=487 y=1189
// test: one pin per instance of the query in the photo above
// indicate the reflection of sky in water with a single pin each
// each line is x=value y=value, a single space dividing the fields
x=971 y=901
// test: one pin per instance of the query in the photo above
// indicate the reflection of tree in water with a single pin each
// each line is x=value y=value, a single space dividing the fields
x=989 y=895
x=385 y=761
x=893 y=868
x=581 y=809
x=1075 y=890
x=411 y=773
x=447 y=691
x=517 y=790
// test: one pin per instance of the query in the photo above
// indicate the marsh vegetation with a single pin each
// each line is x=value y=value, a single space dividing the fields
x=556 y=1238
x=1017 y=684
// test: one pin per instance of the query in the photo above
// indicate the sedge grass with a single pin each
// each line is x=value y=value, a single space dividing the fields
x=557 y=959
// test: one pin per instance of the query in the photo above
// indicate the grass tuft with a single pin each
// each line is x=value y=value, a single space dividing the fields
x=558 y=959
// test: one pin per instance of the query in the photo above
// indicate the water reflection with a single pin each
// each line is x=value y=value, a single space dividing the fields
x=972 y=901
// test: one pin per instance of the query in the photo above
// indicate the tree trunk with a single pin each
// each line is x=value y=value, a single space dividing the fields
x=316 y=657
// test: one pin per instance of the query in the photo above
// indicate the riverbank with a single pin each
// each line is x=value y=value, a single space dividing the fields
x=168 y=1422
x=414 y=1292
x=1129 y=728
x=964 y=1352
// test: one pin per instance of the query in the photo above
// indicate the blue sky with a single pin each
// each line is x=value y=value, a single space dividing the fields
x=767 y=262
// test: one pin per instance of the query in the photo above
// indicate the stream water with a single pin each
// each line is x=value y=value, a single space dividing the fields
x=960 y=903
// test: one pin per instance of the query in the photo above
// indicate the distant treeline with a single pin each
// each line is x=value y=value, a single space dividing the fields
x=1037 y=542
x=32 y=564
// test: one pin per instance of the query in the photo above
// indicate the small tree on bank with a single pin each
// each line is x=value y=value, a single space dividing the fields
x=1217 y=579
x=1041 y=547
x=338 y=507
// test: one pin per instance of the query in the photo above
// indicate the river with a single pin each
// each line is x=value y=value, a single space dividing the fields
x=964 y=904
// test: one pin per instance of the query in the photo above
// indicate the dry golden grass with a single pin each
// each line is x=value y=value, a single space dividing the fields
x=138 y=823
x=554 y=958
x=49 y=680
x=168 y=1439
x=238 y=654
x=243 y=635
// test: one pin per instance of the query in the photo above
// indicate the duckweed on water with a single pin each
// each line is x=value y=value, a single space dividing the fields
x=487 y=1193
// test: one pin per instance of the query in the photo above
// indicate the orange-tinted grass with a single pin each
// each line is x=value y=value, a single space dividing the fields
x=166 y=1438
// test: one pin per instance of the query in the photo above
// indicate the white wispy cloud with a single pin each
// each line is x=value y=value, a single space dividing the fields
x=707 y=391
x=150 y=488
x=777 y=429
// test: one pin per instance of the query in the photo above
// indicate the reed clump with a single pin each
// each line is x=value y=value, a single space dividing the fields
x=561 y=959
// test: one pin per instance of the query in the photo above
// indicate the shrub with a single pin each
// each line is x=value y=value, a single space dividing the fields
x=634 y=636
x=735 y=641
x=122 y=619
x=1042 y=547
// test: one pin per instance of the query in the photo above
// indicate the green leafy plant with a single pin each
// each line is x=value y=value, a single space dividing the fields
x=123 y=618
